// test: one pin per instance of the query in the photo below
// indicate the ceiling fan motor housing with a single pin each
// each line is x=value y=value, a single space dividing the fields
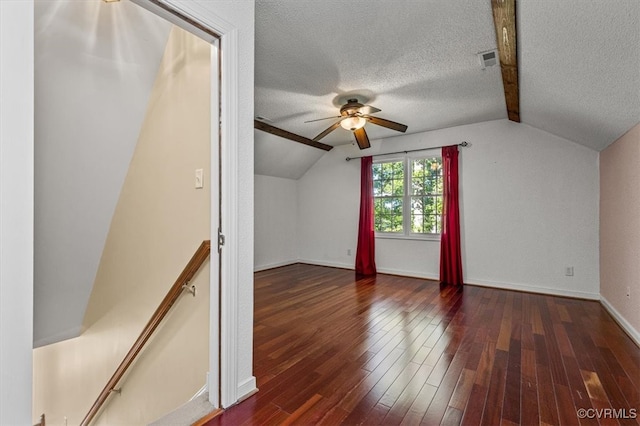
x=353 y=116
x=351 y=108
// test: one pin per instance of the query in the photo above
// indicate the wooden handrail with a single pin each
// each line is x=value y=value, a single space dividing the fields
x=187 y=274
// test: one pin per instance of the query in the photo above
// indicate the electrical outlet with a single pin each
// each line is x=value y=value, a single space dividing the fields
x=628 y=292
x=348 y=252
x=568 y=271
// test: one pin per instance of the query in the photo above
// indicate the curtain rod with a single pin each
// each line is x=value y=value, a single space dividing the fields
x=464 y=143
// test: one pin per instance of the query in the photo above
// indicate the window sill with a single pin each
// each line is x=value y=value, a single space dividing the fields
x=430 y=237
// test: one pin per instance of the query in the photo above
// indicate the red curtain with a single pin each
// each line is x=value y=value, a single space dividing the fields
x=450 y=252
x=366 y=252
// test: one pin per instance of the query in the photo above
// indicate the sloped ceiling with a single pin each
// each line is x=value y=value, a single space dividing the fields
x=580 y=68
x=278 y=157
x=95 y=64
x=579 y=65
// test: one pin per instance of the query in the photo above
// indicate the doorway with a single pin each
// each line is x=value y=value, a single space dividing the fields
x=223 y=382
x=158 y=218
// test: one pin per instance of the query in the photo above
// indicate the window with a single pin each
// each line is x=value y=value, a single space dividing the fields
x=407 y=194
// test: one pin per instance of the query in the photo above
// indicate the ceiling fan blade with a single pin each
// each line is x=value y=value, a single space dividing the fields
x=320 y=119
x=368 y=109
x=362 y=138
x=328 y=130
x=387 y=123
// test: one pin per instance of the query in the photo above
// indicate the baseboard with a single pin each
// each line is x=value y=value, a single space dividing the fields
x=326 y=263
x=482 y=283
x=247 y=388
x=535 y=289
x=200 y=392
x=274 y=265
x=622 y=322
x=411 y=274
x=188 y=413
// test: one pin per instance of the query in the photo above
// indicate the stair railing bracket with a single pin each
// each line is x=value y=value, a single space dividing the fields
x=190 y=288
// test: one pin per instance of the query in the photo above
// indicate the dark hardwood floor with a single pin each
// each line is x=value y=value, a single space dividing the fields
x=332 y=349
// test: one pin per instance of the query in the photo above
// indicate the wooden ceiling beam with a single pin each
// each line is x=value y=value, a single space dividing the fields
x=504 y=19
x=261 y=125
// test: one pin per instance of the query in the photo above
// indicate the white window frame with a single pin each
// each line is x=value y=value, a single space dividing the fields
x=406 y=200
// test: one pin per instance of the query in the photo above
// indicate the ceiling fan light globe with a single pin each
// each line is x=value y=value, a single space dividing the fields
x=353 y=123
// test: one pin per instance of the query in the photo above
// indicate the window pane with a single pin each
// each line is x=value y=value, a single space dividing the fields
x=398 y=187
x=417 y=177
x=417 y=221
x=388 y=190
x=432 y=224
x=397 y=224
x=377 y=171
x=398 y=169
x=388 y=214
x=377 y=188
x=426 y=192
x=388 y=179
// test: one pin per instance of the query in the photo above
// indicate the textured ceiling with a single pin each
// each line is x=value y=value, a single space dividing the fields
x=417 y=61
x=580 y=68
x=408 y=58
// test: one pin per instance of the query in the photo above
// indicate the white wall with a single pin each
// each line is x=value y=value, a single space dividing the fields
x=529 y=208
x=92 y=88
x=328 y=209
x=276 y=222
x=16 y=211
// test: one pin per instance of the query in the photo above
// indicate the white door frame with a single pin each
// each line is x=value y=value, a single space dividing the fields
x=202 y=21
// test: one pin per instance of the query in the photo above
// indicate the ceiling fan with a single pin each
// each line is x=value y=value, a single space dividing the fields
x=353 y=116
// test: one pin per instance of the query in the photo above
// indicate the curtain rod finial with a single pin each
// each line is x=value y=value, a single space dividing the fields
x=464 y=143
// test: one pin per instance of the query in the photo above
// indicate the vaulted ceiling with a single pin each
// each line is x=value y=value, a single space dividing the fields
x=416 y=60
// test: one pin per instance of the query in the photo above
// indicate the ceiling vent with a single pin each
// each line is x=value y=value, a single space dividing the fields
x=488 y=58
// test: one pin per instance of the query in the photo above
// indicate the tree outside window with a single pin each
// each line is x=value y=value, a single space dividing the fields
x=408 y=204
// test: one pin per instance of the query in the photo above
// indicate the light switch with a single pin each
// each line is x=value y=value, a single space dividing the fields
x=199 y=179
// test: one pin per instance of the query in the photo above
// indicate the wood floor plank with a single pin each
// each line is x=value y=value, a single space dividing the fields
x=579 y=393
x=462 y=390
x=548 y=408
x=493 y=407
x=511 y=401
x=408 y=396
x=331 y=348
x=441 y=399
x=420 y=405
x=452 y=417
x=529 y=387
x=475 y=406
